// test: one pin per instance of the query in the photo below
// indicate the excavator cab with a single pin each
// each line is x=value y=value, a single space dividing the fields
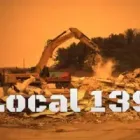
x=45 y=72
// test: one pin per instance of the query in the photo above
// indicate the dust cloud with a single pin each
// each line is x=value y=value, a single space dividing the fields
x=103 y=68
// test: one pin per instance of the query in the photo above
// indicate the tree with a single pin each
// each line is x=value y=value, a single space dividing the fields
x=130 y=35
x=114 y=46
x=62 y=57
x=137 y=38
x=73 y=55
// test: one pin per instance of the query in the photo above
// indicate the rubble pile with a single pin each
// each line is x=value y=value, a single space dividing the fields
x=129 y=82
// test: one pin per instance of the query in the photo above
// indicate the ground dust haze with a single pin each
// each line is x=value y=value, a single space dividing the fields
x=103 y=68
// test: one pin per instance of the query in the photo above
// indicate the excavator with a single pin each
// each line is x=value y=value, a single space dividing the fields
x=40 y=70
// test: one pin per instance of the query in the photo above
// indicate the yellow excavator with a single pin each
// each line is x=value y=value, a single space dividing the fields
x=40 y=70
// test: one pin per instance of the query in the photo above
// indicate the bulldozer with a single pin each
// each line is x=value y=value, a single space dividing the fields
x=40 y=71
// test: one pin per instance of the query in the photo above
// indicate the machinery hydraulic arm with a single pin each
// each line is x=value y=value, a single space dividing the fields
x=53 y=44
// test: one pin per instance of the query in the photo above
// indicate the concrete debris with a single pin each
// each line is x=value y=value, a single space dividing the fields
x=22 y=86
x=126 y=81
x=1 y=92
x=120 y=78
x=47 y=92
x=106 y=81
x=81 y=94
x=76 y=79
x=44 y=113
x=33 y=90
x=11 y=91
x=66 y=114
x=4 y=98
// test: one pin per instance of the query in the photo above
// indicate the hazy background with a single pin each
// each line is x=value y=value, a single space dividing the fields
x=25 y=25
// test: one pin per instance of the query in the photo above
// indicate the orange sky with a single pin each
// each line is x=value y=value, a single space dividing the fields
x=25 y=25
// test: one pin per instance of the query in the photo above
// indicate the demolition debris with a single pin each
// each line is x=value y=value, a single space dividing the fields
x=130 y=82
x=38 y=103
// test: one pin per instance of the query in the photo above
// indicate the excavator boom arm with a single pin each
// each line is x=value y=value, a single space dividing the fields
x=63 y=37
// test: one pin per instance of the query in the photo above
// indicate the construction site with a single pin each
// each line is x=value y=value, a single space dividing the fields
x=40 y=81
x=49 y=49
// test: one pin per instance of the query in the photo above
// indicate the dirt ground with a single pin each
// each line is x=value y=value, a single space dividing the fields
x=90 y=131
